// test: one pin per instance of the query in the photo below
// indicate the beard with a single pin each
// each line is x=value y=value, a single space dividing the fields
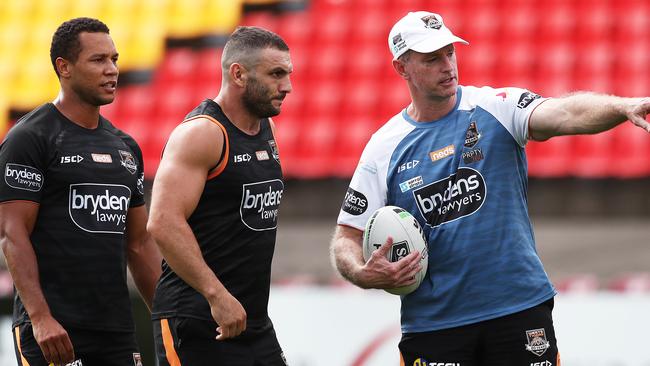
x=257 y=100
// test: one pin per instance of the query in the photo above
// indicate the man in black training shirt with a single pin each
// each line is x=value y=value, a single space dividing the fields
x=73 y=215
x=214 y=213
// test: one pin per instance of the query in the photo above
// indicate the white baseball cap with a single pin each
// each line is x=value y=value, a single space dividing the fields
x=420 y=31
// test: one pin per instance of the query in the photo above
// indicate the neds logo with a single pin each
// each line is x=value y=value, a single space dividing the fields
x=23 y=177
x=459 y=195
x=99 y=208
x=259 y=204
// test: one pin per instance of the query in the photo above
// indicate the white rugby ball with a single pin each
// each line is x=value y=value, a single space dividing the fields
x=407 y=235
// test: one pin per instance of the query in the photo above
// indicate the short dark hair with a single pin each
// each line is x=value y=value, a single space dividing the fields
x=65 y=41
x=246 y=40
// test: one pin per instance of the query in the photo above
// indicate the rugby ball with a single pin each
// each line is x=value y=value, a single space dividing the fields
x=407 y=235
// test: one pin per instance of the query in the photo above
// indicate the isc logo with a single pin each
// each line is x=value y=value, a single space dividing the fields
x=543 y=363
x=242 y=158
x=71 y=159
x=406 y=166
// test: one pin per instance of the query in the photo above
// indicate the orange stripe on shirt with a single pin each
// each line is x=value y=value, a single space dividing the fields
x=168 y=343
x=224 y=161
x=23 y=361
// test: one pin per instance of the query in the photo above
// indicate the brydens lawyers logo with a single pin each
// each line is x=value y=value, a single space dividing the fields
x=259 y=204
x=526 y=98
x=459 y=195
x=99 y=208
x=23 y=177
x=355 y=203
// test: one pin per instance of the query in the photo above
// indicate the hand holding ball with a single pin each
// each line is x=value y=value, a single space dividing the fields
x=399 y=224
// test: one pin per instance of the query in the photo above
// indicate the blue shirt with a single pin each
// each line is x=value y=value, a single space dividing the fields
x=464 y=177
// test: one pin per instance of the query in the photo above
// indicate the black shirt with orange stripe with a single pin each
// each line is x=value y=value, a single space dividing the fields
x=234 y=223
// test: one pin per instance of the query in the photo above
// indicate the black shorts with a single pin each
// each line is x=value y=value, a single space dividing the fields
x=91 y=348
x=188 y=341
x=526 y=338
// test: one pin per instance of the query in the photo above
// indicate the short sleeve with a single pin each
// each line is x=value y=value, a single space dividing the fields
x=23 y=160
x=366 y=193
x=513 y=109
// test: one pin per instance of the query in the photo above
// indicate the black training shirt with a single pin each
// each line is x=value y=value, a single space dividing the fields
x=84 y=181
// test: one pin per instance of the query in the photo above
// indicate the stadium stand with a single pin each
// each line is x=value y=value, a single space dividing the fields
x=344 y=86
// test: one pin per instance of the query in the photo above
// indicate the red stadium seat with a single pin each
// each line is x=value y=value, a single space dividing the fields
x=592 y=155
x=295 y=28
x=393 y=98
x=344 y=86
x=368 y=60
x=264 y=19
x=550 y=158
x=594 y=66
x=208 y=67
x=314 y=156
x=371 y=26
x=324 y=97
x=327 y=61
x=135 y=101
x=178 y=64
x=333 y=25
x=175 y=101
x=631 y=152
x=361 y=97
x=517 y=69
x=287 y=136
x=353 y=135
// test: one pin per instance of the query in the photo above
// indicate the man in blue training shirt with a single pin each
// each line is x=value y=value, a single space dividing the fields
x=455 y=159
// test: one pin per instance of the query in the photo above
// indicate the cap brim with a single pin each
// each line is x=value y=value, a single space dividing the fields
x=432 y=44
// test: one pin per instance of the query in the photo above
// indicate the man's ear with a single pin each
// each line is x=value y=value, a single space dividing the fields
x=399 y=66
x=238 y=74
x=63 y=66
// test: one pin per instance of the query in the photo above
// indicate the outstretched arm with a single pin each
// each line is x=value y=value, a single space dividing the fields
x=192 y=150
x=378 y=271
x=17 y=219
x=586 y=113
